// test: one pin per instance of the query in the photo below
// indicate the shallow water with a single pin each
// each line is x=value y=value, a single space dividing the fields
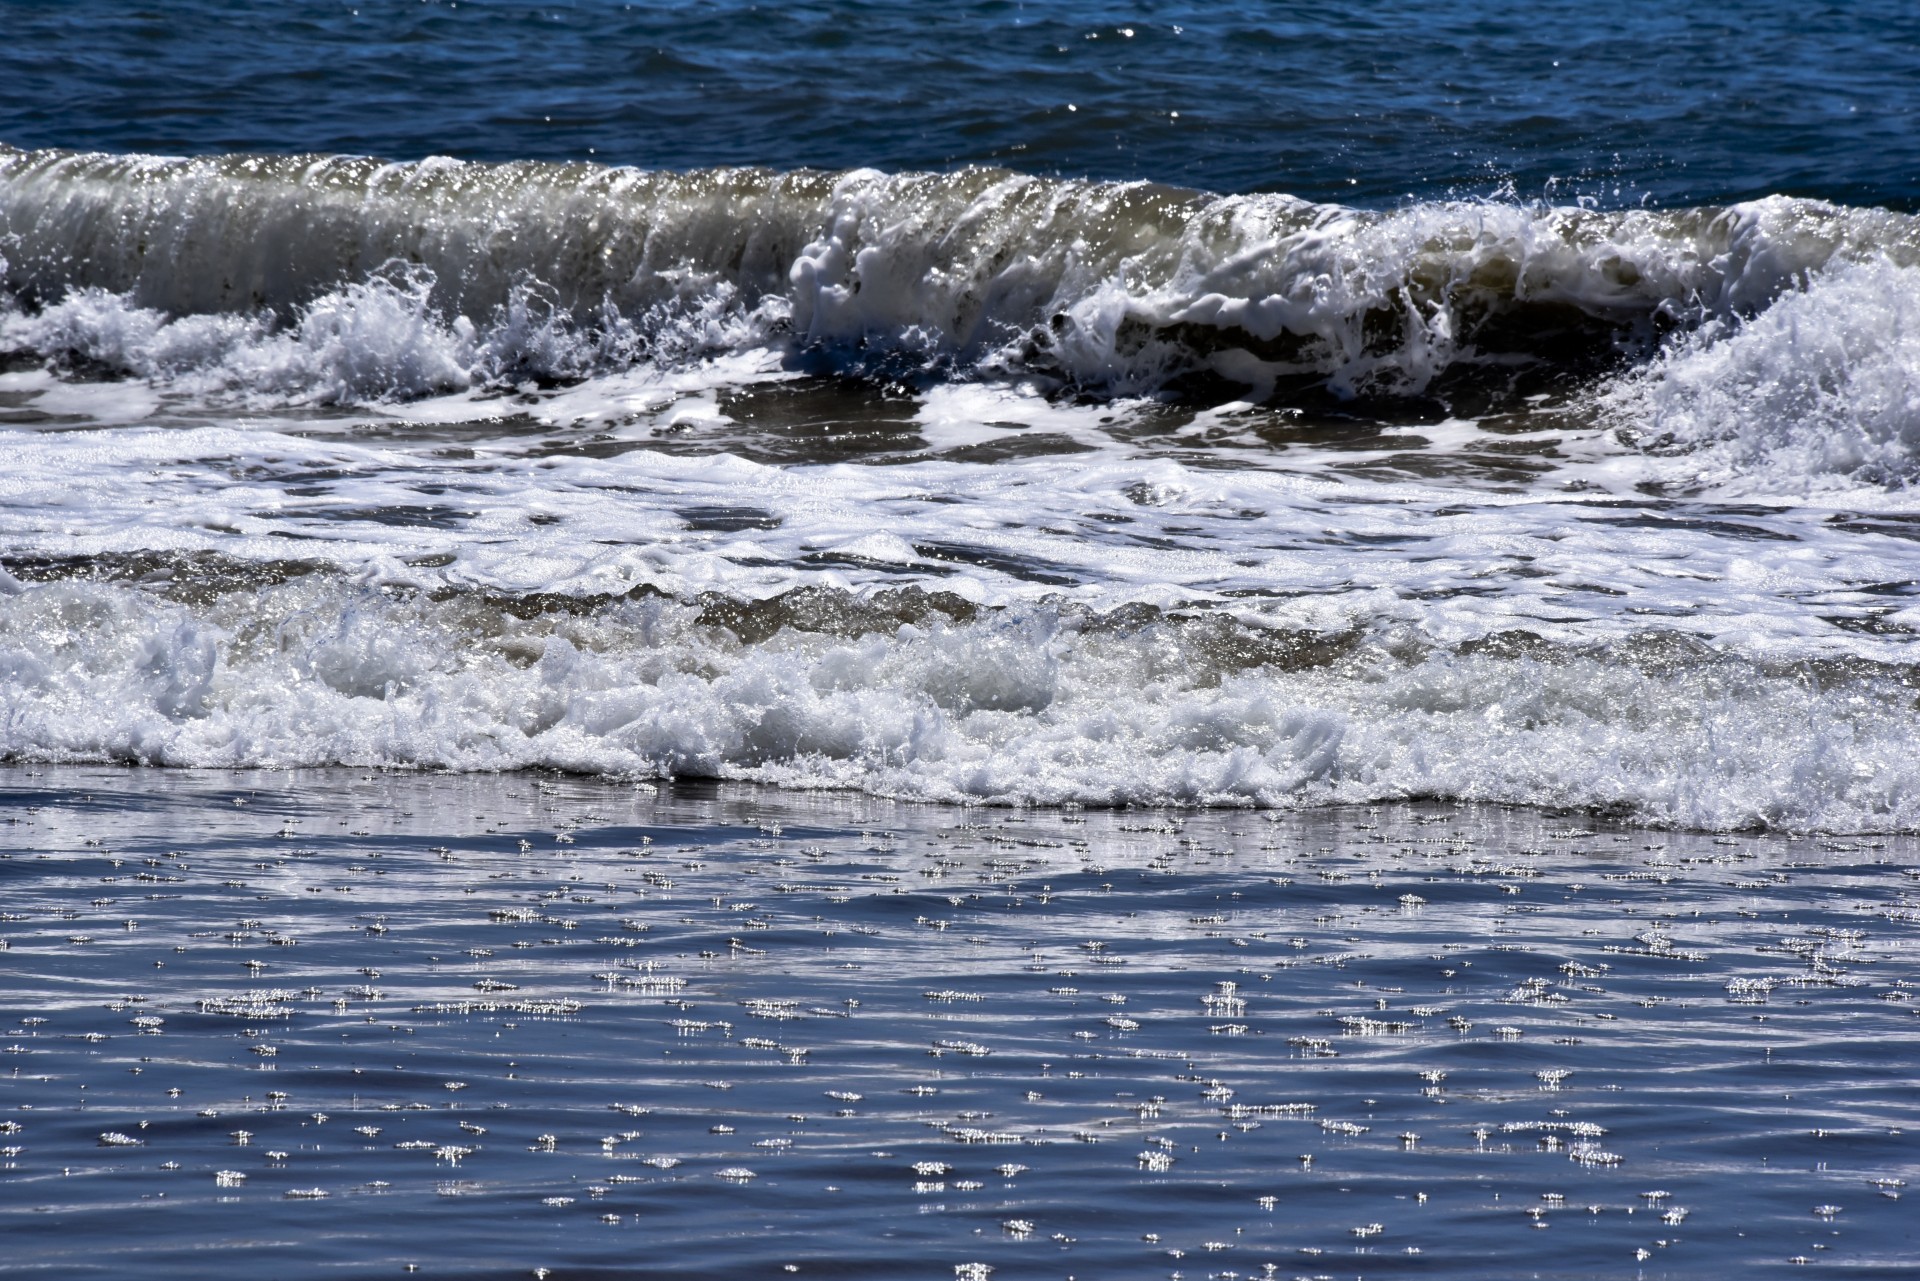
x=841 y=639
x=481 y=1025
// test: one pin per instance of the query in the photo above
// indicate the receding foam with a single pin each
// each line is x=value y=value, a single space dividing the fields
x=1012 y=706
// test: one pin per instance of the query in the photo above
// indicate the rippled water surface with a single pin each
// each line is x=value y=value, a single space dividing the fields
x=1680 y=104
x=338 y=1023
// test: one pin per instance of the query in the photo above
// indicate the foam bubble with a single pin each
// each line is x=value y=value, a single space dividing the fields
x=1818 y=394
x=1029 y=705
x=1118 y=289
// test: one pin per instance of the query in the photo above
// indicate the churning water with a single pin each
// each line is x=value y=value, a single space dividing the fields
x=1335 y=497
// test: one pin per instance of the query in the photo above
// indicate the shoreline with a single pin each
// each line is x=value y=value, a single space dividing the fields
x=491 y=1023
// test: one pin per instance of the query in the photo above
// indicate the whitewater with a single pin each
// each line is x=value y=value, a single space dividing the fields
x=975 y=486
x=988 y=641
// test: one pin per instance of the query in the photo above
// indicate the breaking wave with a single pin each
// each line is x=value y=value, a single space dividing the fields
x=1819 y=392
x=918 y=696
x=340 y=278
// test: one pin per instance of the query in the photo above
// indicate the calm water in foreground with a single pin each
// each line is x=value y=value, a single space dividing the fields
x=336 y=1023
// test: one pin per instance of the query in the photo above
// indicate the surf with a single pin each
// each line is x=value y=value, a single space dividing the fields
x=552 y=271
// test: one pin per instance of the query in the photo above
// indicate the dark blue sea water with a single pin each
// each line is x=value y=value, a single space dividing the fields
x=1676 y=104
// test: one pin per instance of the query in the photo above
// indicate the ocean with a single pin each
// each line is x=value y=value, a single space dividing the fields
x=1230 y=445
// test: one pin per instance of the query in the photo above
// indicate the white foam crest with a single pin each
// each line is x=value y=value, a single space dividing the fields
x=1111 y=287
x=367 y=341
x=1819 y=394
x=1027 y=707
x=1092 y=280
x=373 y=341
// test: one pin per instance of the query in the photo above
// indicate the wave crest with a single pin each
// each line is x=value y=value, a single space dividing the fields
x=1012 y=706
x=1819 y=392
x=1103 y=287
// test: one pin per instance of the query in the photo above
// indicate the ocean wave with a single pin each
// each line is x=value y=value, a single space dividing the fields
x=916 y=696
x=1819 y=393
x=340 y=278
x=380 y=340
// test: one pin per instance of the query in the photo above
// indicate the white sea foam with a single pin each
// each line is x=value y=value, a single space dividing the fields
x=1820 y=393
x=1316 y=552
x=1115 y=287
x=1034 y=705
x=485 y=467
x=263 y=283
x=365 y=342
x=374 y=341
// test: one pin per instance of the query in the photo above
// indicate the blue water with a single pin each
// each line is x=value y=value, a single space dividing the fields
x=1664 y=103
x=885 y=700
x=346 y=1025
